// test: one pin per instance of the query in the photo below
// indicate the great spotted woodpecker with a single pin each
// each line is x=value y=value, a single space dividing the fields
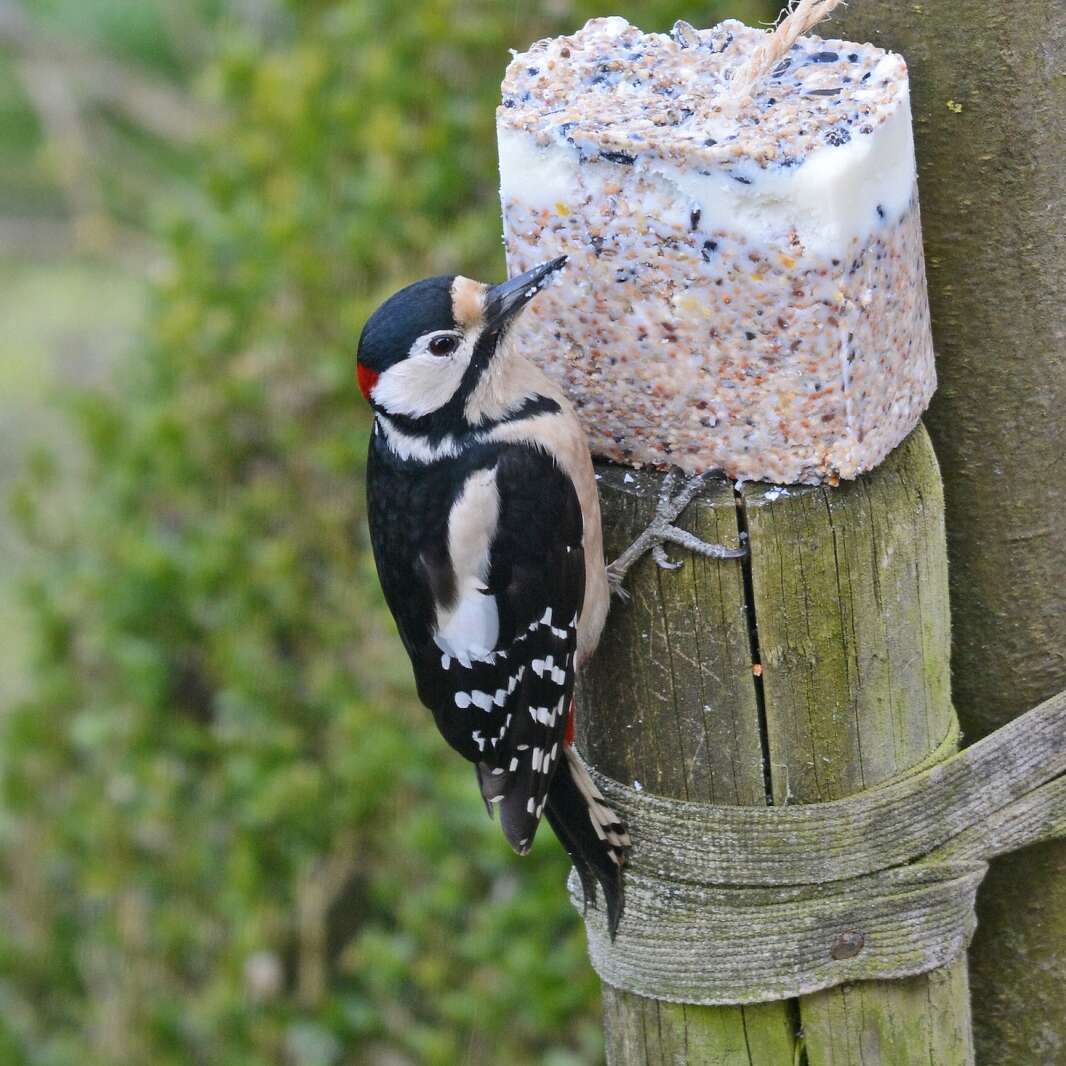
x=485 y=526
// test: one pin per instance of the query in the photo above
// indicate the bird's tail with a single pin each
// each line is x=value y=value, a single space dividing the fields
x=593 y=835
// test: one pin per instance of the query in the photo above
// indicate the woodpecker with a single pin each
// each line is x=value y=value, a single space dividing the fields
x=485 y=526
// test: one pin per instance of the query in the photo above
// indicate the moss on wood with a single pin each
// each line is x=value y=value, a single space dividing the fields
x=819 y=671
x=993 y=193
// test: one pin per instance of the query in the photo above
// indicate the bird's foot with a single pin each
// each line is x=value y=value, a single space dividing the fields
x=662 y=531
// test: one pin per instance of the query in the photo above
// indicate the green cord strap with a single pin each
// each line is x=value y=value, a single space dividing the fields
x=750 y=904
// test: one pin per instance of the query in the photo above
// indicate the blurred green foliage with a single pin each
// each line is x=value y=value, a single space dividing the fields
x=109 y=51
x=229 y=834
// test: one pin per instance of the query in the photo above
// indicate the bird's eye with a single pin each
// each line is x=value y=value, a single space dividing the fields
x=445 y=344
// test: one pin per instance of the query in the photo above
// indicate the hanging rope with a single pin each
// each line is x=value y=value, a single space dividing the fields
x=797 y=19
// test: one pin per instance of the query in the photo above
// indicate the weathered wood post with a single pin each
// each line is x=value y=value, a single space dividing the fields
x=818 y=670
x=989 y=100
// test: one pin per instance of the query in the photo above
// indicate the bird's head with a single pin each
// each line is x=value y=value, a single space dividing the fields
x=424 y=350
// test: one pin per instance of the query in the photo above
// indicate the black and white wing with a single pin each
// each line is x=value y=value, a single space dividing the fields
x=499 y=670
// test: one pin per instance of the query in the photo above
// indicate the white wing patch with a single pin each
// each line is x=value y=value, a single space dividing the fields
x=470 y=628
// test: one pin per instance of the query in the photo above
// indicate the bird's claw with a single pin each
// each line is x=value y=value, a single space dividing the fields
x=663 y=561
x=662 y=531
x=615 y=577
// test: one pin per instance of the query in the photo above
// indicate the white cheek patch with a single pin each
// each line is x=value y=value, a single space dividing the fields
x=418 y=385
x=423 y=383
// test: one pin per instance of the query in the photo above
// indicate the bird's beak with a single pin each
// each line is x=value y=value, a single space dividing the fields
x=504 y=301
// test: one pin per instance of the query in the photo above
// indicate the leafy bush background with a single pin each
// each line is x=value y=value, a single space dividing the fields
x=229 y=834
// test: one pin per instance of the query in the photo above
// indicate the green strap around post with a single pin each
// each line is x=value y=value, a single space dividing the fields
x=747 y=904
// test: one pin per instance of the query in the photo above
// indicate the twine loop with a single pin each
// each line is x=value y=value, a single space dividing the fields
x=795 y=20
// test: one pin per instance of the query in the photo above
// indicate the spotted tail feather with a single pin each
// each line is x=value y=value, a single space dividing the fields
x=593 y=835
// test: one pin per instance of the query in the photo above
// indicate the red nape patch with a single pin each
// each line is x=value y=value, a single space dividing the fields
x=367 y=380
x=569 y=737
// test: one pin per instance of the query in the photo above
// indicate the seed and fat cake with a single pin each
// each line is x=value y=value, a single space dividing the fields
x=746 y=286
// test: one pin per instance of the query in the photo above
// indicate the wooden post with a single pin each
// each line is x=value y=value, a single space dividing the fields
x=989 y=98
x=818 y=670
